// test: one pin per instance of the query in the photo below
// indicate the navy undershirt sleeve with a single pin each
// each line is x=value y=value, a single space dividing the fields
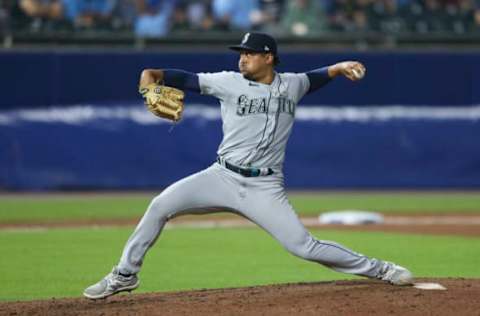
x=318 y=78
x=181 y=79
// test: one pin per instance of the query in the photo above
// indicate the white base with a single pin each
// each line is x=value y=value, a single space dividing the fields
x=350 y=217
x=429 y=286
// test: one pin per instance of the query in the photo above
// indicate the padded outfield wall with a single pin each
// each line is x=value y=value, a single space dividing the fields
x=73 y=120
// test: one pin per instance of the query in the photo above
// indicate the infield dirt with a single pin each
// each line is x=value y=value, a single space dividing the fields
x=362 y=297
x=444 y=224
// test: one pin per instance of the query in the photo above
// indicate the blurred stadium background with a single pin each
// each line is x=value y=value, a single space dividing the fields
x=71 y=118
x=124 y=21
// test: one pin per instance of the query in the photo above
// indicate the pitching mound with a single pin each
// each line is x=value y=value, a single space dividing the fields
x=363 y=297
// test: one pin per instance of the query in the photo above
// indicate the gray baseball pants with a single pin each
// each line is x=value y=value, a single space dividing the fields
x=260 y=199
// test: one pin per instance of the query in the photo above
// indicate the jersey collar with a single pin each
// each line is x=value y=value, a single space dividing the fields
x=269 y=86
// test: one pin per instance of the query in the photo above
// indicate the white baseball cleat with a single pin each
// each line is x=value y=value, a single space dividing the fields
x=112 y=284
x=395 y=274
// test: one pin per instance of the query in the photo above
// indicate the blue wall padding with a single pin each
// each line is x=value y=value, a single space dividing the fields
x=62 y=78
x=122 y=154
x=126 y=155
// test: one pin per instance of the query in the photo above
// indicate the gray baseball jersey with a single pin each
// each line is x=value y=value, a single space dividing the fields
x=257 y=121
x=257 y=118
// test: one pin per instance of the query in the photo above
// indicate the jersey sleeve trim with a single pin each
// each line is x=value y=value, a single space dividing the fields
x=318 y=78
x=181 y=79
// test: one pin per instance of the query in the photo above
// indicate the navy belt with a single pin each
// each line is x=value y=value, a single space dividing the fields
x=246 y=172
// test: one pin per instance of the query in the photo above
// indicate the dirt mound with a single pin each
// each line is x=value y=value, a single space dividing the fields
x=364 y=297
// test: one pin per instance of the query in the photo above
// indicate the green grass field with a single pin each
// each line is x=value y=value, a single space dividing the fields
x=17 y=209
x=44 y=263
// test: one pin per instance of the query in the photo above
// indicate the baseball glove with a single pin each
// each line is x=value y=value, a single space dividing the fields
x=165 y=102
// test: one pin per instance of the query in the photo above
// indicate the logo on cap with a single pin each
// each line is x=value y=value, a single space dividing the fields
x=266 y=48
x=245 y=38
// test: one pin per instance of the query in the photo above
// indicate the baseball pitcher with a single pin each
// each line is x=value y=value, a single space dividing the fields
x=258 y=108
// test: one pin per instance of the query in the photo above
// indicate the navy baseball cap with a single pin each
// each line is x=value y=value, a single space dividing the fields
x=257 y=42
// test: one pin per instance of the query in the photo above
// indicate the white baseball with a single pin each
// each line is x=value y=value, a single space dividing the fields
x=358 y=73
